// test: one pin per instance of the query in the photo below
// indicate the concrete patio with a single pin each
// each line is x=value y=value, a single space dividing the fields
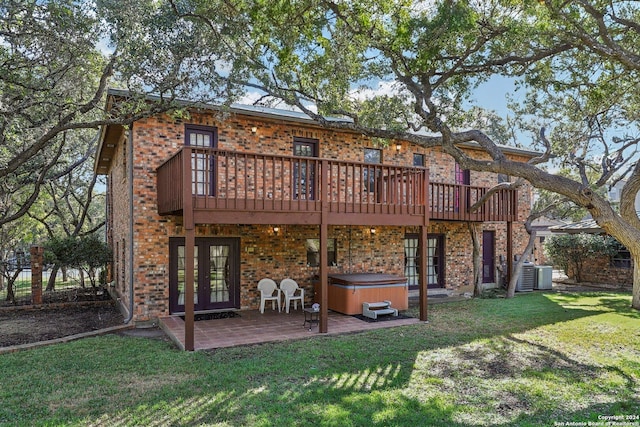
x=252 y=327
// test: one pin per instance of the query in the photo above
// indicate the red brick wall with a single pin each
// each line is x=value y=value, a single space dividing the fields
x=262 y=253
x=118 y=221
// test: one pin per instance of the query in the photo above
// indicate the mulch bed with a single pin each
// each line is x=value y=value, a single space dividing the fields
x=26 y=326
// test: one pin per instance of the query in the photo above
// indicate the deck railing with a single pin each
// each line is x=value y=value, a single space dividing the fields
x=222 y=180
x=457 y=202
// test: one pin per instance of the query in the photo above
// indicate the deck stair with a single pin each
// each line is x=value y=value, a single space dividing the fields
x=375 y=309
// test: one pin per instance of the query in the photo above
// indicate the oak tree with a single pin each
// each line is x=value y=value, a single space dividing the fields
x=576 y=61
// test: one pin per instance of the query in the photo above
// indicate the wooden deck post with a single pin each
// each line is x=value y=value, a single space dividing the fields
x=509 y=250
x=189 y=249
x=423 y=282
x=324 y=237
x=422 y=277
x=324 y=278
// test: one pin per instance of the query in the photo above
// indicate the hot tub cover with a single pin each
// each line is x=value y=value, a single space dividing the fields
x=363 y=279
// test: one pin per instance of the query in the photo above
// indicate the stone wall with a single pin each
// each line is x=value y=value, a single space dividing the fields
x=600 y=270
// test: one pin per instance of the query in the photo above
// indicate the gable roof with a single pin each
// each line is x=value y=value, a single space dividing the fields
x=585 y=226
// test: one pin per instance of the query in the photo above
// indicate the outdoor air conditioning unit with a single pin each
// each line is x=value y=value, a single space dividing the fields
x=544 y=276
x=527 y=278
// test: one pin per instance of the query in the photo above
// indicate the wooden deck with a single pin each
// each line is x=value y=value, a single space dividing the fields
x=221 y=186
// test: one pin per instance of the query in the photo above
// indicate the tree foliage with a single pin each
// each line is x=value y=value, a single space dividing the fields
x=57 y=58
x=576 y=61
x=88 y=253
x=397 y=68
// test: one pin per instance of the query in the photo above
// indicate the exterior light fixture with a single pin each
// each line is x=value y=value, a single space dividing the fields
x=398 y=147
x=276 y=230
x=372 y=230
x=254 y=129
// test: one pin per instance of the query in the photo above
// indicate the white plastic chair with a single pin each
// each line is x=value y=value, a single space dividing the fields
x=292 y=292
x=269 y=292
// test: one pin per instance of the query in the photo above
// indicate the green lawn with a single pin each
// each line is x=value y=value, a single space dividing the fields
x=539 y=359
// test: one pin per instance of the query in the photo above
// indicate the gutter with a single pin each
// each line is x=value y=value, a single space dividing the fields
x=130 y=189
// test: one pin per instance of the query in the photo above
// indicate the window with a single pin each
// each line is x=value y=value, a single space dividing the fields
x=313 y=252
x=372 y=156
x=305 y=147
x=622 y=259
x=418 y=159
x=202 y=162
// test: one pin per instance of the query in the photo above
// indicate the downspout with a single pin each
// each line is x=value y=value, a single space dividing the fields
x=130 y=179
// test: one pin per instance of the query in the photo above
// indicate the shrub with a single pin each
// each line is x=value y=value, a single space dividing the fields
x=88 y=253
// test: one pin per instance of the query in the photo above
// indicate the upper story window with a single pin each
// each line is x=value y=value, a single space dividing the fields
x=372 y=155
x=200 y=136
x=305 y=147
x=418 y=159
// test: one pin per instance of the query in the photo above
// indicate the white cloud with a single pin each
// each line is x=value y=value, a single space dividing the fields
x=384 y=88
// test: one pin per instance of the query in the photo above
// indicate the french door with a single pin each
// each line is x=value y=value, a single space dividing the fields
x=304 y=171
x=462 y=177
x=202 y=162
x=435 y=260
x=216 y=274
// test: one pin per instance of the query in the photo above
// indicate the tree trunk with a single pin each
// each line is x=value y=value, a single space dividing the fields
x=51 y=284
x=517 y=268
x=474 y=230
x=10 y=295
x=635 y=299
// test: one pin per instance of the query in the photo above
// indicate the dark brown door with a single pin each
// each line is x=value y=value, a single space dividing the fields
x=217 y=274
x=202 y=160
x=304 y=170
x=488 y=256
x=463 y=177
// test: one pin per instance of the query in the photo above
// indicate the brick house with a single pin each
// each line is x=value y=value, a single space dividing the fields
x=248 y=192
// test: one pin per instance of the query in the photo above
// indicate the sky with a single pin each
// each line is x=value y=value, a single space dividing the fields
x=491 y=95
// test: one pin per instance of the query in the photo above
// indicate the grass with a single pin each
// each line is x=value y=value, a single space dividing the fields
x=538 y=359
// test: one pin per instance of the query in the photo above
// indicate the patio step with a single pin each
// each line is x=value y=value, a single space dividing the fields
x=375 y=309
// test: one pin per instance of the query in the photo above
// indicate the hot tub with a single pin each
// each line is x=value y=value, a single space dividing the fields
x=347 y=292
